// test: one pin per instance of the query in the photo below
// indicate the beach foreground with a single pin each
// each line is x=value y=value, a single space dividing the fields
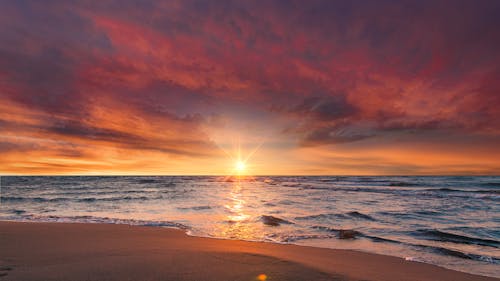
x=60 y=251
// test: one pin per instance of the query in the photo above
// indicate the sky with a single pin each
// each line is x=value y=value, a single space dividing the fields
x=290 y=87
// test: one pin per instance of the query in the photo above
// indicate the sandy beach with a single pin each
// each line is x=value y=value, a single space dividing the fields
x=60 y=251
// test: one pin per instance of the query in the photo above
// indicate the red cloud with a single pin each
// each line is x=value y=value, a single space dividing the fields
x=144 y=76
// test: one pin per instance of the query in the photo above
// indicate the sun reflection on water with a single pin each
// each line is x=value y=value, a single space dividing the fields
x=237 y=204
x=237 y=224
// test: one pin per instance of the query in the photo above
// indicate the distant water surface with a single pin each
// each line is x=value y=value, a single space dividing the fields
x=449 y=221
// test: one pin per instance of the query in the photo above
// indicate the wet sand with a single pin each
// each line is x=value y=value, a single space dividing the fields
x=60 y=251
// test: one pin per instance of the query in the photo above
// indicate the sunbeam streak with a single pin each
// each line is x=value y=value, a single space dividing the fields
x=240 y=160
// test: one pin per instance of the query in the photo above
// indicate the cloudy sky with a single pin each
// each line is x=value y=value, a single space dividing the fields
x=303 y=87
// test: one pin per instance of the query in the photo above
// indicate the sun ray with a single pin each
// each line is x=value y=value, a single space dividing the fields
x=253 y=151
x=239 y=158
x=226 y=152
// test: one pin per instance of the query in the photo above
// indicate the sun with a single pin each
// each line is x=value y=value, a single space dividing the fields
x=240 y=166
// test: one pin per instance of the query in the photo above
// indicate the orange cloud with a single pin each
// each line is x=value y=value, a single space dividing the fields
x=152 y=87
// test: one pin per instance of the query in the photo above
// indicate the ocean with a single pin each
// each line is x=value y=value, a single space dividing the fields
x=453 y=222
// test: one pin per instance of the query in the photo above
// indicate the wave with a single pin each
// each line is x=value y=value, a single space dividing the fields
x=348 y=189
x=33 y=199
x=273 y=221
x=356 y=233
x=118 y=198
x=270 y=181
x=147 y=181
x=196 y=208
x=429 y=192
x=428 y=213
x=324 y=228
x=403 y=184
x=287 y=202
x=491 y=184
x=447 y=189
x=381 y=239
x=435 y=249
x=437 y=235
x=17 y=211
x=489 y=191
x=341 y=233
x=85 y=200
x=348 y=215
x=443 y=189
x=367 y=179
x=94 y=192
x=360 y=215
x=319 y=216
x=283 y=238
x=459 y=254
x=104 y=220
x=332 y=179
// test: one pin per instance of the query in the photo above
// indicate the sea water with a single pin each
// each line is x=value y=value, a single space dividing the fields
x=452 y=222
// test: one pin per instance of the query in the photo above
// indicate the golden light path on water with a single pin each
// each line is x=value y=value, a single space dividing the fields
x=237 y=228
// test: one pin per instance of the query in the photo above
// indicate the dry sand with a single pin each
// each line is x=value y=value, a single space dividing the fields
x=60 y=251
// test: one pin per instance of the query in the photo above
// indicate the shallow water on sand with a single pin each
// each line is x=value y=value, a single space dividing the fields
x=449 y=221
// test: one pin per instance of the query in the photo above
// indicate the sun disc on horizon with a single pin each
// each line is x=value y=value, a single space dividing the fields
x=240 y=166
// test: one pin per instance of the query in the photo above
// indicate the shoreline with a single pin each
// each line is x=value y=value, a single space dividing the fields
x=29 y=249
